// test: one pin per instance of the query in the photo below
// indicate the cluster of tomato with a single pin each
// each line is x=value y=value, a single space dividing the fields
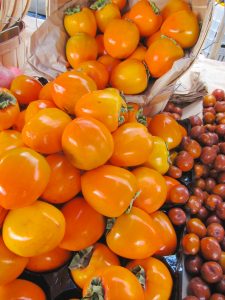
x=124 y=49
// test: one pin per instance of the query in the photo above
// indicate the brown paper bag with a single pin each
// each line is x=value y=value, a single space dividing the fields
x=47 y=53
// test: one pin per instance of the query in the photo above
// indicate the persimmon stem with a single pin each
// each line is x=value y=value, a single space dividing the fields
x=139 y=272
x=72 y=10
x=128 y=210
x=99 y=4
x=109 y=224
x=6 y=100
x=81 y=259
x=154 y=7
x=95 y=290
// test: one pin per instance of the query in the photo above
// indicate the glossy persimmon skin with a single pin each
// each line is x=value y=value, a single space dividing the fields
x=21 y=289
x=109 y=62
x=173 y=6
x=81 y=21
x=81 y=47
x=35 y=106
x=106 y=14
x=134 y=235
x=87 y=143
x=100 y=42
x=11 y=265
x=146 y=16
x=183 y=27
x=49 y=261
x=103 y=105
x=44 y=230
x=167 y=128
x=46 y=92
x=25 y=88
x=159 y=282
x=167 y=233
x=101 y=257
x=43 y=132
x=32 y=176
x=10 y=139
x=80 y=215
x=8 y=111
x=95 y=70
x=121 y=38
x=118 y=283
x=64 y=182
x=109 y=189
x=69 y=87
x=152 y=187
x=132 y=145
x=130 y=77
x=161 y=55
x=139 y=53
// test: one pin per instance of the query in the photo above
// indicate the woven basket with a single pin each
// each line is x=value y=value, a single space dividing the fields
x=12 y=11
x=12 y=46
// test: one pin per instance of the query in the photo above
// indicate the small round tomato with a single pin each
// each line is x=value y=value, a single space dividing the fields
x=11 y=265
x=25 y=89
x=49 y=261
x=10 y=139
x=81 y=219
x=152 y=38
x=100 y=42
x=167 y=233
x=9 y=109
x=134 y=235
x=81 y=47
x=167 y=128
x=173 y=6
x=34 y=229
x=112 y=283
x=69 y=87
x=170 y=183
x=130 y=77
x=95 y=70
x=132 y=145
x=46 y=92
x=183 y=27
x=106 y=106
x=121 y=38
x=139 y=53
x=80 y=20
x=146 y=15
x=20 y=121
x=105 y=12
x=120 y=3
x=98 y=256
x=44 y=131
x=35 y=106
x=152 y=188
x=64 y=182
x=161 y=55
x=87 y=143
x=109 y=189
x=3 y=214
x=24 y=175
x=109 y=62
x=158 y=280
x=21 y=289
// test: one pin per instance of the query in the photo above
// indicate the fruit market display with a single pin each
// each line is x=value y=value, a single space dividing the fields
x=94 y=194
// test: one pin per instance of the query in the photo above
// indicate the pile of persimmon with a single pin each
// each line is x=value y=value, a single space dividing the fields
x=79 y=165
x=123 y=49
x=76 y=165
